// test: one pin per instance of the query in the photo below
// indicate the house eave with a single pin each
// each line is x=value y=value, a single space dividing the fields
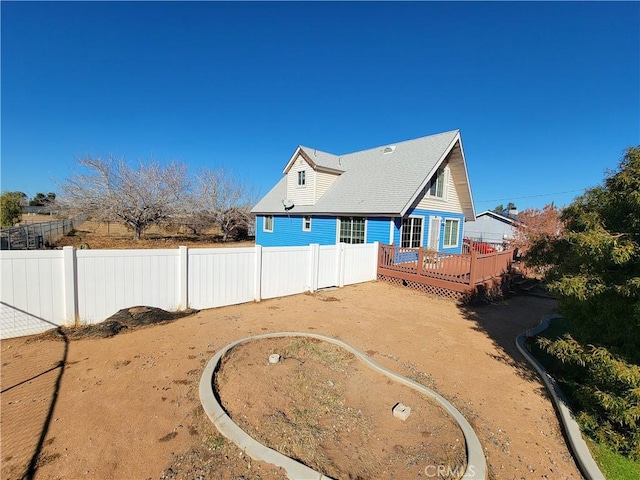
x=298 y=152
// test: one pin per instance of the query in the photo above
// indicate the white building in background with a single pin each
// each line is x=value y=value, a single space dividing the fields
x=490 y=227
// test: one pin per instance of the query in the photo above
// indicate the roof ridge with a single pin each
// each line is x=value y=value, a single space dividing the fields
x=304 y=147
x=400 y=143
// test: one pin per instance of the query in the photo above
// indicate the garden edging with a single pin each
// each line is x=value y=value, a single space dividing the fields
x=577 y=445
x=476 y=463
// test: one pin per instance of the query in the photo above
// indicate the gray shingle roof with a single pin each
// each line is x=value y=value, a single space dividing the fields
x=373 y=183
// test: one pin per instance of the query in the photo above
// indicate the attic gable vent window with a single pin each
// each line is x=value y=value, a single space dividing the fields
x=302 y=178
x=437 y=184
x=389 y=150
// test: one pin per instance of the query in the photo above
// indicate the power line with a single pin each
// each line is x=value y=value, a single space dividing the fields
x=530 y=196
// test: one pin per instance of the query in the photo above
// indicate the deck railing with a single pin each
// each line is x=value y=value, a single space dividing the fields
x=459 y=272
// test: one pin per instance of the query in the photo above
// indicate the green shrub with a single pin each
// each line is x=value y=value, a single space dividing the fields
x=604 y=388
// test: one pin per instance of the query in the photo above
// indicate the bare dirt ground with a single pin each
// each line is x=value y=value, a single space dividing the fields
x=321 y=405
x=127 y=406
x=101 y=235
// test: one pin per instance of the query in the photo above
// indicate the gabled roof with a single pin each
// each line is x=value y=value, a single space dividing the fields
x=497 y=216
x=317 y=159
x=373 y=182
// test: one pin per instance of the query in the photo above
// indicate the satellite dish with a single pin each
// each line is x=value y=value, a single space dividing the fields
x=288 y=204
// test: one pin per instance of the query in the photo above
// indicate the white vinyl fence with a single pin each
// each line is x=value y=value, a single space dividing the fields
x=48 y=288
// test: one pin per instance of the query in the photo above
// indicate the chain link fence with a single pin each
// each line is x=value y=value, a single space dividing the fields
x=37 y=235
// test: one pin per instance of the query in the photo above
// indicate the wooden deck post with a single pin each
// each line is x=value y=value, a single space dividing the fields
x=420 y=261
x=473 y=267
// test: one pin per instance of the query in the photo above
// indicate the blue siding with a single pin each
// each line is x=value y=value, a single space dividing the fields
x=378 y=230
x=287 y=231
x=425 y=226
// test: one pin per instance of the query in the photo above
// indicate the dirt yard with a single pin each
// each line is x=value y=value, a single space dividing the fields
x=321 y=405
x=127 y=406
x=102 y=235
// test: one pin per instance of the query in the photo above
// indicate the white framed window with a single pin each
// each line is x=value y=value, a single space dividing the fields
x=411 y=232
x=267 y=225
x=451 y=230
x=302 y=178
x=437 y=184
x=352 y=230
x=306 y=223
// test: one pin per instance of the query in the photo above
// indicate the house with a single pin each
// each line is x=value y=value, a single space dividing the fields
x=414 y=193
x=491 y=227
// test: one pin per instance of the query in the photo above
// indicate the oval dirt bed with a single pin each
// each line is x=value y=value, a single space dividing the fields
x=325 y=408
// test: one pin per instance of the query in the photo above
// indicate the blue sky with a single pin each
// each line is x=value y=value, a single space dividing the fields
x=546 y=95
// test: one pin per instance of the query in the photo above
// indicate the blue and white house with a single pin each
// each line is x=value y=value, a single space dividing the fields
x=414 y=193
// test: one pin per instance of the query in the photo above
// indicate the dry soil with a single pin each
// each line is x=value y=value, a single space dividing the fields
x=127 y=406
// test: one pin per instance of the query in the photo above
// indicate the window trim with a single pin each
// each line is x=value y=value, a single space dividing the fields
x=339 y=228
x=402 y=224
x=264 y=223
x=302 y=178
x=444 y=235
x=441 y=173
x=306 y=228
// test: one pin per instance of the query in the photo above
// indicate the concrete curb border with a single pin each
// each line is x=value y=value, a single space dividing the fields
x=476 y=463
x=579 y=448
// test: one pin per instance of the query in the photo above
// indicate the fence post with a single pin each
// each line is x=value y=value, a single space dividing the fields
x=420 y=261
x=257 y=281
x=473 y=267
x=314 y=264
x=183 y=278
x=340 y=249
x=376 y=246
x=70 y=286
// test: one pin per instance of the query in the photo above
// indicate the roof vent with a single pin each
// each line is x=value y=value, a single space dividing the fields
x=389 y=149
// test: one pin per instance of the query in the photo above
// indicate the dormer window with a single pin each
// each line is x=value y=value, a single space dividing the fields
x=302 y=181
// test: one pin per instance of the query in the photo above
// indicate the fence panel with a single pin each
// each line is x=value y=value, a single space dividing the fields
x=221 y=276
x=328 y=266
x=44 y=289
x=32 y=294
x=109 y=280
x=360 y=263
x=493 y=264
x=285 y=271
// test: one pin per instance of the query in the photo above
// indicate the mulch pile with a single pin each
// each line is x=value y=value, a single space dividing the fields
x=125 y=319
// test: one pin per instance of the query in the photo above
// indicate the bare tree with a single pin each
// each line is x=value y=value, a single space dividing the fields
x=109 y=189
x=223 y=200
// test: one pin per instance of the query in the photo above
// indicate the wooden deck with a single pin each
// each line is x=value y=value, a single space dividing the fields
x=460 y=274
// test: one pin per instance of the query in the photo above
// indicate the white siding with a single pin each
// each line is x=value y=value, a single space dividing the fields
x=489 y=229
x=301 y=195
x=323 y=182
x=451 y=202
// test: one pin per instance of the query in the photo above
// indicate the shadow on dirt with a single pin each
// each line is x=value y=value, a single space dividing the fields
x=524 y=312
x=32 y=379
x=37 y=380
